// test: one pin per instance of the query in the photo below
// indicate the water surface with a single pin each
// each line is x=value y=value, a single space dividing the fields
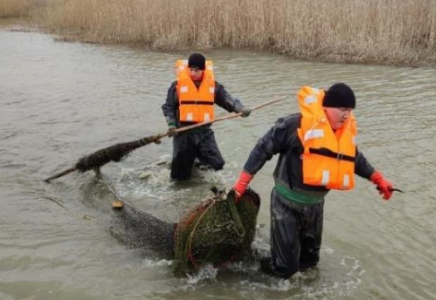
x=60 y=101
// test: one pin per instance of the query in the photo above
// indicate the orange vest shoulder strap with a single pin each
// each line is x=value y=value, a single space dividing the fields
x=310 y=101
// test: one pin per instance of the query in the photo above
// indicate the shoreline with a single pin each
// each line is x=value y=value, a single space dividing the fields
x=392 y=33
x=333 y=58
x=325 y=58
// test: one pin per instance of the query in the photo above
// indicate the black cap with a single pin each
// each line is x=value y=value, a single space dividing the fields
x=197 y=61
x=339 y=95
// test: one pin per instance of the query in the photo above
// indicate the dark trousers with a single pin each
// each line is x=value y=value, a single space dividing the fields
x=296 y=234
x=189 y=145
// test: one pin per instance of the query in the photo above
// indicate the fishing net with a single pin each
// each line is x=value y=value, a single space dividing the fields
x=138 y=228
x=216 y=231
x=113 y=153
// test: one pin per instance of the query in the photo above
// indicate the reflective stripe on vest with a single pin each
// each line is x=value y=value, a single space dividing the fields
x=328 y=157
x=195 y=104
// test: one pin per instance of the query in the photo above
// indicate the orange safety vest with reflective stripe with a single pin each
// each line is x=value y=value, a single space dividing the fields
x=195 y=104
x=328 y=157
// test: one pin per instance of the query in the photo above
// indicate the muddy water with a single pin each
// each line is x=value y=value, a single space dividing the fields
x=60 y=101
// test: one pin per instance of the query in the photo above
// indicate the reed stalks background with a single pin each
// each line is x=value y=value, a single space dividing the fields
x=14 y=8
x=401 y=32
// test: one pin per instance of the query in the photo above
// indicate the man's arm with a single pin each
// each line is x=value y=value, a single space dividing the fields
x=171 y=106
x=364 y=169
x=225 y=100
x=280 y=138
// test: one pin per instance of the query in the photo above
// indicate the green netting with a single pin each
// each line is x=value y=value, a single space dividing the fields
x=215 y=232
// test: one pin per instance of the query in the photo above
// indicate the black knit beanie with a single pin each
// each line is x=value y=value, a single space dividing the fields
x=197 y=61
x=339 y=95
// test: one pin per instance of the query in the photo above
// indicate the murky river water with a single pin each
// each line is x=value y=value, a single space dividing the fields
x=60 y=101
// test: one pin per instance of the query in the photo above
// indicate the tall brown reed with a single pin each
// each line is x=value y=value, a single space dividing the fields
x=14 y=8
x=375 y=31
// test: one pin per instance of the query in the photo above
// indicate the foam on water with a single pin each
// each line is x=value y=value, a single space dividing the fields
x=157 y=263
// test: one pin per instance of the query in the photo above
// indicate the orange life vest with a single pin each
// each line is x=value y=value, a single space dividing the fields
x=328 y=158
x=195 y=104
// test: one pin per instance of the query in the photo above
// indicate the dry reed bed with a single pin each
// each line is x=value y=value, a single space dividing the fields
x=364 y=31
x=14 y=8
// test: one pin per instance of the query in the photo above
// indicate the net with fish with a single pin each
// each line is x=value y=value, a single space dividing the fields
x=216 y=231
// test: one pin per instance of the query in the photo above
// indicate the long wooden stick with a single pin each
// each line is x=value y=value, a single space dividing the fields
x=118 y=151
x=229 y=116
x=63 y=173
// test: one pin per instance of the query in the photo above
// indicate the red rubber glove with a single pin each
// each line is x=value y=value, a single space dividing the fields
x=384 y=187
x=242 y=184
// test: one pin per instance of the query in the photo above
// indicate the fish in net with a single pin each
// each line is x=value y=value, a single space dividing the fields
x=216 y=231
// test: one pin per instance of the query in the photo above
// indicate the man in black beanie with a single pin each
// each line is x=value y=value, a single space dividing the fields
x=340 y=95
x=191 y=100
x=317 y=153
x=197 y=61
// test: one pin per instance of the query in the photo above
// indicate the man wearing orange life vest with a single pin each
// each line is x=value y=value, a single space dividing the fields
x=317 y=152
x=191 y=100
